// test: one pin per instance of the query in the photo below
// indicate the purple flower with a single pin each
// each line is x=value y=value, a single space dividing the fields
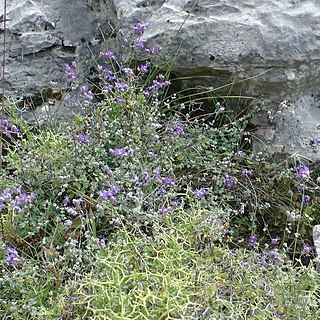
x=108 y=171
x=272 y=255
x=12 y=256
x=102 y=242
x=303 y=172
x=6 y=195
x=140 y=27
x=200 y=193
x=253 y=240
x=246 y=172
x=66 y=199
x=239 y=153
x=228 y=181
x=165 y=210
x=175 y=203
x=17 y=190
x=88 y=96
x=306 y=199
x=318 y=139
x=138 y=44
x=82 y=138
x=176 y=129
x=70 y=72
x=153 y=50
x=157 y=173
x=275 y=240
x=144 y=68
x=77 y=202
x=107 y=87
x=306 y=249
x=109 y=194
x=151 y=154
x=167 y=182
x=72 y=210
x=118 y=152
x=108 y=54
x=121 y=86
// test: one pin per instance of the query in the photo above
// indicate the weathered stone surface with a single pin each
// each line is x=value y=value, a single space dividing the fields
x=268 y=48
x=316 y=240
x=43 y=35
x=276 y=42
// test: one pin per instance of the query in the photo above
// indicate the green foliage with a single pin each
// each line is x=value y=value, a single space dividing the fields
x=145 y=207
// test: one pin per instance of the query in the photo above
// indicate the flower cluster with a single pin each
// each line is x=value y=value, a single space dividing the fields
x=303 y=172
x=8 y=128
x=71 y=74
x=228 y=181
x=12 y=256
x=200 y=193
x=15 y=199
x=109 y=194
x=176 y=129
x=82 y=138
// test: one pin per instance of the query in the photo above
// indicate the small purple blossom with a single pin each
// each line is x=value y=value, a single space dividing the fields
x=108 y=54
x=12 y=256
x=228 y=181
x=108 y=171
x=153 y=50
x=88 y=96
x=307 y=249
x=275 y=240
x=102 y=242
x=246 y=172
x=200 y=193
x=303 y=172
x=318 y=139
x=70 y=72
x=165 y=210
x=144 y=68
x=306 y=200
x=272 y=255
x=175 y=203
x=167 y=182
x=151 y=154
x=140 y=27
x=138 y=44
x=239 y=153
x=107 y=87
x=118 y=152
x=17 y=190
x=109 y=194
x=5 y=195
x=77 y=202
x=253 y=240
x=176 y=129
x=66 y=199
x=122 y=86
x=82 y=138
x=72 y=210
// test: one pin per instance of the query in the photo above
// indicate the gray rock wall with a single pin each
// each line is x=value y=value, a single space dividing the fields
x=273 y=44
x=265 y=48
x=43 y=35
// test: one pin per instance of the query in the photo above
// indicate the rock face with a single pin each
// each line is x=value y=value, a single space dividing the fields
x=263 y=48
x=43 y=35
x=275 y=42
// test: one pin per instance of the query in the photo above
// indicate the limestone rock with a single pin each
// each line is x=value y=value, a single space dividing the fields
x=43 y=35
x=316 y=240
x=265 y=48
